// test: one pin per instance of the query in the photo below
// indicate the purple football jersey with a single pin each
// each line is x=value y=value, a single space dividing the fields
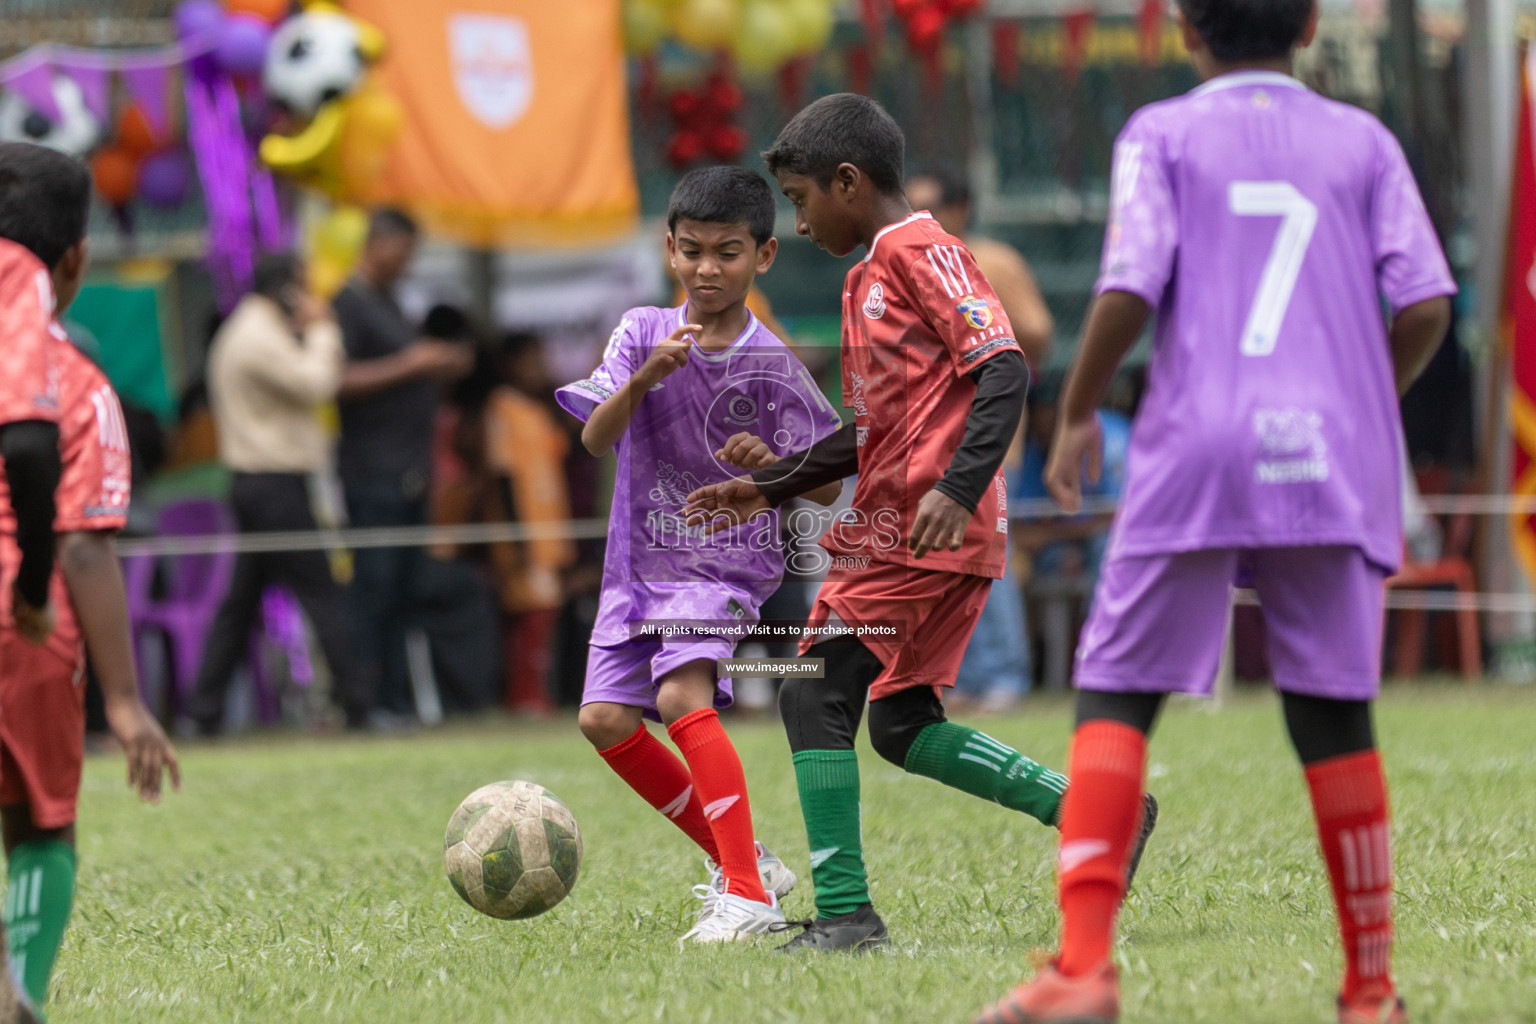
x=659 y=570
x=1266 y=225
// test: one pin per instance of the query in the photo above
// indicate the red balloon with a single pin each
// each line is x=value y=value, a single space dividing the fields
x=925 y=29
x=905 y=9
x=269 y=11
x=116 y=173
x=685 y=148
x=134 y=135
x=962 y=8
x=728 y=142
x=683 y=105
x=724 y=96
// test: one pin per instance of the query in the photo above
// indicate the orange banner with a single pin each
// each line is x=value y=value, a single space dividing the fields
x=516 y=119
x=1520 y=316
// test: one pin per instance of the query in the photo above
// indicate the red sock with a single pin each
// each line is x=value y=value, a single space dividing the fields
x=1349 y=798
x=722 y=788
x=1099 y=822
x=662 y=780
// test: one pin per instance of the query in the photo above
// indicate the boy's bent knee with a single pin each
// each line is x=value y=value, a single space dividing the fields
x=607 y=725
x=896 y=721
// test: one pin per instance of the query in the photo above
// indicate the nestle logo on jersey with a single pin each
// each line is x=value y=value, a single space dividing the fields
x=1292 y=449
x=874 y=302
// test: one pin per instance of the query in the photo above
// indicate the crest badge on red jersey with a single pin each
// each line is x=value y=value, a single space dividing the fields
x=874 y=301
x=976 y=312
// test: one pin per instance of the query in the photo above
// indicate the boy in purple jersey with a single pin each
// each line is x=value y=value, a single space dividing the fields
x=691 y=396
x=1267 y=442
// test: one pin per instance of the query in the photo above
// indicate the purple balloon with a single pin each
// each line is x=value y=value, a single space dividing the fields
x=196 y=18
x=164 y=179
x=242 y=46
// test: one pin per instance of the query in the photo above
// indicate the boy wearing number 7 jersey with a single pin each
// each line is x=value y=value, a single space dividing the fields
x=1267 y=442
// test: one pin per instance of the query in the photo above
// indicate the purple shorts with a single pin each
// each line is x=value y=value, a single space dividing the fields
x=1158 y=621
x=630 y=673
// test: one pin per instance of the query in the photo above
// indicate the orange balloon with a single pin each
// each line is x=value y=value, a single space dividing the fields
x=117 y=174
x=134 y=136
x=270 y=11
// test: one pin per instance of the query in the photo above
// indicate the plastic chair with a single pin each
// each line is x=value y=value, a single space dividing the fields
x=1452 y=570
x=192 y=588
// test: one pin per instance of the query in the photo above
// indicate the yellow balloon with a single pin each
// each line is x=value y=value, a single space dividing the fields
x=813 y=22
x=374 y=120
x=645 y=25
x=766 y=38
x=337 y=240
x=706 y=24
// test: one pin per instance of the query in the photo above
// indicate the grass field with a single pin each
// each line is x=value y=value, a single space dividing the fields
x=301 y=880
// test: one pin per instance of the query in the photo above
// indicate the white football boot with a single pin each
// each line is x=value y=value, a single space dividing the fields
x=727 y=917
x=775 y=874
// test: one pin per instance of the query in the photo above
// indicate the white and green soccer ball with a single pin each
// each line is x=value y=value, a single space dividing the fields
x=512 y=850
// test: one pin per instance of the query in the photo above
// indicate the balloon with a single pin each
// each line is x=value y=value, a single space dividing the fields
x=962 y=8
x=706 y=24
x=164 y=179
x=727 y=142
x=195 y=18
x=338 y=238
x=813 y=22
x=765 y=38
x=905 y=9
x=645 y=25
x=722 y=95
x=684 y=106
x=684 y=148
x=133 y=132
x=242 y=45
x=925 y=29
x=116 y=174
x=269 y=11
x=373 y=123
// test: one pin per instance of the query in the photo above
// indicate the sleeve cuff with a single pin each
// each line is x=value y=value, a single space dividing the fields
x=1419 y=292
x=582 y=398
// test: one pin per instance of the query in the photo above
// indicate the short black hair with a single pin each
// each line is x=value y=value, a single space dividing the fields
x=276 y=272
x=45 y=196
x=724 y=195
x=515 y=343
x=843 y=128
x=954 y=187
x=448 y=322
x=391 y=222
x=1248 y=29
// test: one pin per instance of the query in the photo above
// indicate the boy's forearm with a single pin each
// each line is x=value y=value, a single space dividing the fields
x=95 y=582
x=609 y=421
x=1417 y=332
x=800 y=473
x=1115 y=321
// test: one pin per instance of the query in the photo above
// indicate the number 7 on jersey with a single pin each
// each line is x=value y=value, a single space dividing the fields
x=1298 y=217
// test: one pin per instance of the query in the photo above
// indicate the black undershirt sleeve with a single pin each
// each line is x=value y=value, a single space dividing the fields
x=31 y=452
x=832 y=458
x=1001 y=385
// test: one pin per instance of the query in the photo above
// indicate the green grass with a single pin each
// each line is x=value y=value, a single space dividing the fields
x=301 y=880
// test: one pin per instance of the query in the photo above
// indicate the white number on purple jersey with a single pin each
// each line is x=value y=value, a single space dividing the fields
x=1298 y=218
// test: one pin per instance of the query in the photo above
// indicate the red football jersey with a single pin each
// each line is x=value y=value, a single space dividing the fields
x=29 y=382
x=917 y=317
x=93 y=486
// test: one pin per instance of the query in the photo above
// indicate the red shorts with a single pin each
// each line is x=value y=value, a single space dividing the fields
x=42 y=729
x=917 y=622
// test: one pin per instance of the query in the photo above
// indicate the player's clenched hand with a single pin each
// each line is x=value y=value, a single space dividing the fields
x=34 y=624
x=746 y=451
x=1077 y=442
x=724 y=505
x=670 y=356
x=939 y=526
x=145 y=745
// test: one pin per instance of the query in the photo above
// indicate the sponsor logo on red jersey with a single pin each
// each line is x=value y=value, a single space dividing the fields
x=976 y=312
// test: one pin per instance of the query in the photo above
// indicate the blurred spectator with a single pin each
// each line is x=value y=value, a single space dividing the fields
x=388 y=400
x=272 y=365
x=947 y=196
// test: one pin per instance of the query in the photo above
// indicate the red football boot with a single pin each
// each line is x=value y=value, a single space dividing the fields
x=1054 y=998
x=1373 y=1004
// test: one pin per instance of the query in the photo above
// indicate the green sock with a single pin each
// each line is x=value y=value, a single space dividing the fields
x=829 y=801
x=37 y=910
x=974 y=762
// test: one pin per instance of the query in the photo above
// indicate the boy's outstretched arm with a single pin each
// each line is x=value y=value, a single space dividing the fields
x=610 y=420
x=95 y=582
x=1417 y=332
x=731 y=502
x=1114 y=323
x=1002 y=383
x=750 y=452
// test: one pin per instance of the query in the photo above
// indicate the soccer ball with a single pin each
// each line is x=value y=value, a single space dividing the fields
x=512 y=850
x=313 y=59
x=76 y=132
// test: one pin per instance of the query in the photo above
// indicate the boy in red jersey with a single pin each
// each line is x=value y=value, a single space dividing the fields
x=43 y=198
x=937 y=385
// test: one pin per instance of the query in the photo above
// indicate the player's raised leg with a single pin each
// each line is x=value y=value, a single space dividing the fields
x=822 y=718
x=741 y=907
